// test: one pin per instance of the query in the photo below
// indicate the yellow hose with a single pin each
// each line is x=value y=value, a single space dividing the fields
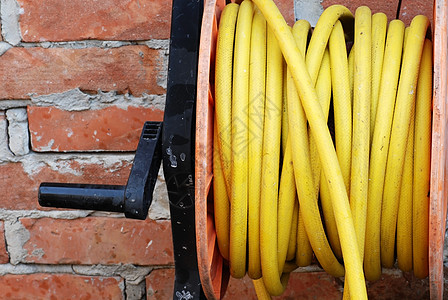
x=404 y=221
x=223 y=87
x=379 y=28
x=300 y=32
x=361 y=116
x=320 y=37
x=361 y=127
x=304 y=252
x=222 y=134
x=270 y=167
x=257 y=95
x=422 y=159
x=314 y=62
x=260 y=290
x=327 y=152
x=351 y=69
x=287 y=192
x=221 y=200
x=329 y=218
x=285 y=130
x=291 y=254
x=239 y=180
x=308 y=197
x=343 y=128
x=268 y=218
x=342 y=100
x=319 y=60
x=380 y=147
x=323 y=90
x=400 y=129
x=404 y=218
x=286 y=199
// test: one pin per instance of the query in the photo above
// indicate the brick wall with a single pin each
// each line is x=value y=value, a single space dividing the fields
x=77 y=80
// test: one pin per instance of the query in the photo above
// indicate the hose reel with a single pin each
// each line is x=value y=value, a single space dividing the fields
x=189 y=185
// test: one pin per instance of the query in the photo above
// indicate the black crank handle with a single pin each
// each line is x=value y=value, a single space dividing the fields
x=82 y=196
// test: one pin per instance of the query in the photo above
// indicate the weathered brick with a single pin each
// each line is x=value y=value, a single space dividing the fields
x=109 y=129
x=60 y=286
x=54 y=20
x=74 y=20
x=98 y=240
x=19 y=182
x=300 y=286
x=38 y=71
x=316 y=285
x=286 y=7
x=389 y=7
x=411 y=8
x=399 y=286
x=4 y=257
x=160 y=285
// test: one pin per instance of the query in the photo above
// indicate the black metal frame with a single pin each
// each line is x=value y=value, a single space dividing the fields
x=178 y=143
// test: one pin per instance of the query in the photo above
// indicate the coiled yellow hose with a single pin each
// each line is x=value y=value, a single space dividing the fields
x=400 y=130
x=404 y=221
x=257 y=96
x=270 y=168
x=380 y=147
x=379 y=28
x=343 y=127
x=222 y=135
x=223 y=87
x=304 y=252
x=422 y=158
x=404 y=218
x=240 y=133
x=279 y=154
x=361 y=122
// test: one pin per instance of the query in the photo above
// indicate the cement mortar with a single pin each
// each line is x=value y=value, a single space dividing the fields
x=77 y=100
x=10 y=14
x=18 y=131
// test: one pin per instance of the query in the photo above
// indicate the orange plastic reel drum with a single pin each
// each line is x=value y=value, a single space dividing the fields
x=439 y=163
x=213 y=270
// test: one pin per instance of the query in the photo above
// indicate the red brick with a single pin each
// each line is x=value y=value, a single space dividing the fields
x=4 y=257
x=160 y=285
x=319 y=285
x=300 y=286
x=286 y=7
x=54 y=20
x=19 y=189
x=398 y=286
x=411 y=8
x=60 y=286
x=25 y=71
x=98 y=240
x=389 y=7
x=109 y=129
